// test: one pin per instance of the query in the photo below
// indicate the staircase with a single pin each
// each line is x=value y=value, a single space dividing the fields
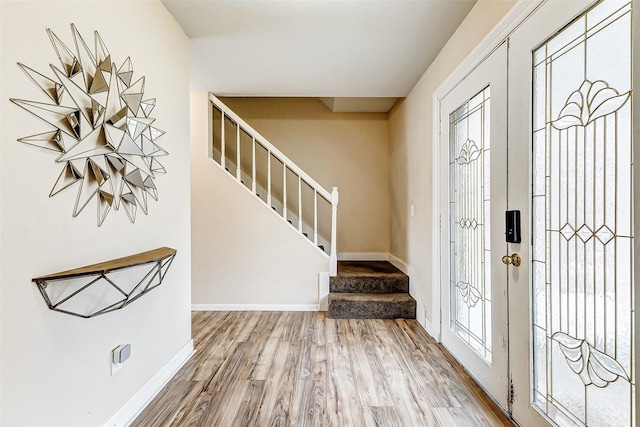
x=358 y=289
x=370 y=290
x=260 y=168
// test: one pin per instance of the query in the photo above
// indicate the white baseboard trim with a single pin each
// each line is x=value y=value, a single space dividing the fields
x=363 y=256
x=420 y=311
x=255 y=307
x=141 y=399
x=431 y=330
x=397 y=263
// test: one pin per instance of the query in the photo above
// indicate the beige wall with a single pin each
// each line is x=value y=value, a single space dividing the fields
x=411 y=171
x=242 y=252
x=347 y=150
x=55 y=368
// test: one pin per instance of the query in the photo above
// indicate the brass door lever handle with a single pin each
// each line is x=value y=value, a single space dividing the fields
x=512 y=259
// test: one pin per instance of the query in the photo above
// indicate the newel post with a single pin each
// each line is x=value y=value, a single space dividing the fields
x=333 y=257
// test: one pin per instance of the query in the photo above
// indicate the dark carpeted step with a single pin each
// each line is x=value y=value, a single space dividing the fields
x=368 y=276
x=366 y=267
x=372 y=284
x=371 y=306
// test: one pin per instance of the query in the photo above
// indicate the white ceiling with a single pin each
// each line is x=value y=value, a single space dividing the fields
x=340 y=48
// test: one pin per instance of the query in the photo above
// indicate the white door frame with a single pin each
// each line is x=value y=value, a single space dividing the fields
x=507 y=24
x=492 y=375
x=520 y=11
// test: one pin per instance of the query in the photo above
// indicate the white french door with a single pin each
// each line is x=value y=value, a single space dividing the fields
x=571 y=174
x=551 y=340
x=474 y=301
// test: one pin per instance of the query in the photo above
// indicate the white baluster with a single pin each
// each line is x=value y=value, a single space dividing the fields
x=333 y=257
x=284 y=191
x=253 y=167
x=315 y=217
x=223 y=161
x=299 y=204
x=238 y=170
x=269 y=178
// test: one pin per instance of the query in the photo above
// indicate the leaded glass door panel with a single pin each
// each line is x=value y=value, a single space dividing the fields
x=474 y=323
x=571 y=63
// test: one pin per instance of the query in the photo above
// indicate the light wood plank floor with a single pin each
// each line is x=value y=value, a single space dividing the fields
x=303 y=369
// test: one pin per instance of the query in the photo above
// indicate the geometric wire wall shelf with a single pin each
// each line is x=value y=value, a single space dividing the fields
x=107 y=286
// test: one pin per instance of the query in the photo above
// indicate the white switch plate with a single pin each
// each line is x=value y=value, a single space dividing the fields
x=120 y=353
x=412 y=209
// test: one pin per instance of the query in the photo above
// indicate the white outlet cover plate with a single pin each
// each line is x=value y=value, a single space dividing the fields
x=115 y=367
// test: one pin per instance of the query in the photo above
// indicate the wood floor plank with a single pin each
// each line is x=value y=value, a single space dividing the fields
x=415 y=382
x=307 y=361
x=299 y=326
x=263 y=327
x=275 y=404
x=410 y=396
x=479 y=407
x=429 y=378
x=320 y=363
x=171 y=403
x=454 y=417
x=265 y=359
x=249 y=328
x=215 y=349
x=214 y=397
x=384 y=416
x=184 y=406
x=231 y=403
x=344 y=408
x=196 y=414
x=303 y=369
x=248 y=411
x=231 y=370
x=308 y=404
x=369 y=375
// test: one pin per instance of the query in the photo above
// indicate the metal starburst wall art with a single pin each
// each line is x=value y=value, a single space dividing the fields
x=100 y=127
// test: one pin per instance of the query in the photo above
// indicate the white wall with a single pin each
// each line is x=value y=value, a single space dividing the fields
x=411 y=150
x=55 y=367
x=242 y=252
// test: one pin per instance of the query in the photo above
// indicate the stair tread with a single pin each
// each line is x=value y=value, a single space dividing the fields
x=371 y=306
x=368 y=276
x=367 y=269
x=371 y=297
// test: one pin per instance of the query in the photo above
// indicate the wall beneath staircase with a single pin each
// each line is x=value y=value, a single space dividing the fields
x=242 y=253
x=347 y=150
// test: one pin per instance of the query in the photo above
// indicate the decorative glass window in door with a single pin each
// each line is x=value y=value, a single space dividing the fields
x=582 y=258
x=470 y=282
